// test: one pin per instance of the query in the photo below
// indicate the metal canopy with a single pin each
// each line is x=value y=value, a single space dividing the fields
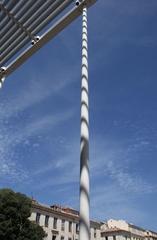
x=24 y=27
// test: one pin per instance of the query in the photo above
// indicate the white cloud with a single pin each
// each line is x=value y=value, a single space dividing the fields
x=113 y=159
x=9 y=140
x=34 y=91
x=115 y=203
x=43 y=124
x=10 y=169
x=107 y=159
x=59 y=171
x=130 y=182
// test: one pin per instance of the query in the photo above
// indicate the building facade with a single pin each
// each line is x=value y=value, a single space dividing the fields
x=61 y=223
x=121 y=230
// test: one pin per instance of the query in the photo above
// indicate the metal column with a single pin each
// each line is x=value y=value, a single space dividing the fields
x=84 y=155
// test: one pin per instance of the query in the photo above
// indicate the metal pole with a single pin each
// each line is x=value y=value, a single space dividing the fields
x=84 y=156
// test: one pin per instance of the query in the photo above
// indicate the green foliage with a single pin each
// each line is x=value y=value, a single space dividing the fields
x=15 y=209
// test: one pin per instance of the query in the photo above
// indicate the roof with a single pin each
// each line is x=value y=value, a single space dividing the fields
x=136 y=227
x=62 y=211
x=111 y=230
x=65 y=209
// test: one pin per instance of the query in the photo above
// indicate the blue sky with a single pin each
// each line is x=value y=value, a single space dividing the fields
x=40 y=116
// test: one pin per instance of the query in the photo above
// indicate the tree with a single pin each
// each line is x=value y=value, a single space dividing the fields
x=15 y=209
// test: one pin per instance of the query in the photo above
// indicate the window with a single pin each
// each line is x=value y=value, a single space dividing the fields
x=55 y=223
x=77 y=228
x=62 y=238
x=54 y=237
x=38 y=218
x=63 y=225
x=94 y=232
x=70 y=226
x=106 y=238
x=114 y=237
x=46 y=221
x=69 y=238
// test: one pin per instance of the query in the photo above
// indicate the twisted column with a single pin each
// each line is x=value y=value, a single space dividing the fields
x=84 y=156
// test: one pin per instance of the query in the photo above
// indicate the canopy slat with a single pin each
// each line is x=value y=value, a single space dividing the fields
x=22 y=20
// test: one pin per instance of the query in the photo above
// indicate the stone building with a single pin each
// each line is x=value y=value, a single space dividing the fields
x=150 y=235
x=61 y=223
x=121 y=230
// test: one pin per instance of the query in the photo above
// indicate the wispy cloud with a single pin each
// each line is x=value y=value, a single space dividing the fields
x=43 y=124
x=113 y=159
x=130 y=182
x=107 y=159
x=34 y=91
x=59 y=171
x=117 y=188
x=115 y=203
x=9 y=140
x=10 y=169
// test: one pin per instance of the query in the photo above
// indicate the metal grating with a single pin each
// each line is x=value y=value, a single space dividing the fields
x=23 y=27
x=21 y=21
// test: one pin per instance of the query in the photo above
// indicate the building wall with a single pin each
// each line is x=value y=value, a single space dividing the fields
x=110 y=230
x=136 y=231
x=61 y=234
x=121 y=230
x=121 y=224
x=115 y=236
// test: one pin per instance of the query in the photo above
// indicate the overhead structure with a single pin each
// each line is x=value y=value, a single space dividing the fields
x=27 y=25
